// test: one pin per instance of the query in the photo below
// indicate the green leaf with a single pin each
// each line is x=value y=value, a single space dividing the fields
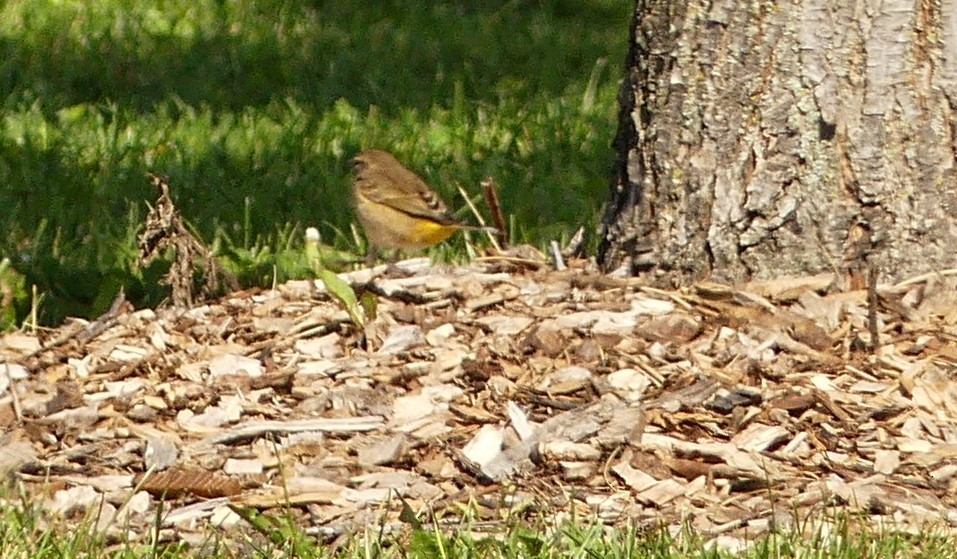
x=13 y=294
x=345 y=295
x=369 y=304
x=280 y=530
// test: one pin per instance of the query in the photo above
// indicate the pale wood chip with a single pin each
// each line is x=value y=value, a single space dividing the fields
x=629 y=384
x=128 y=353
x=758 y=437
x=255 y=429
x=484 y=446
x=597 y=322
x=161 y=452
x=401 y=338
x=679 y=328
x=662 y=492
x=886 y=461
x=385 y=451
x=431 y=400
x=322 y=347
x=569 y=451
x=574 y=425
x=519 y=421
x=741 y=461
x=234 y=466
x=14 y=454
x=187 y=514
x=922 y=446
x=369 y=496
x=578 y=471
x=438 y=336
x=103 y=484
x=789 y=288
x=19 y=343
x=504 y=325
x=70 y=501
x=633 y=477
x=10 y=372
x=229 y=364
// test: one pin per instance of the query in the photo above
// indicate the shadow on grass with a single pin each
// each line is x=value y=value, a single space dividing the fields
x=252 y=110
x=227 y=55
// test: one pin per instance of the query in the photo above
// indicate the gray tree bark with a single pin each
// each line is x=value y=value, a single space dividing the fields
x=765 y=138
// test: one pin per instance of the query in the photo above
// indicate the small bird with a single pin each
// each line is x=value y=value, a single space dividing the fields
x=396 y=207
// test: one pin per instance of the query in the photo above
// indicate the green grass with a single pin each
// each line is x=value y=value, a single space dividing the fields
x=253 y=109
x=25 y=532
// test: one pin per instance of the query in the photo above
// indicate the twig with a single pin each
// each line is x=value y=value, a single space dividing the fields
x=607 y=466
x=402 y=295
x=86 y=333
x=576 y=245
x=924 y=277
x=255 y=429
x=105 y=322
x=512 y=260
x=479 y=218
x=490 y=190
x=674 y=297
x=557 y=256
x=15 y=398
x=552 y=403
x=164 y=228
x=872 y=304
x=310 y=330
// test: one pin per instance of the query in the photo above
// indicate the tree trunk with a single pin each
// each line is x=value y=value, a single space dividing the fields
x=767 y=138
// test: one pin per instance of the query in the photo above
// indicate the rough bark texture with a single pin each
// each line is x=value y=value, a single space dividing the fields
x=768 y=138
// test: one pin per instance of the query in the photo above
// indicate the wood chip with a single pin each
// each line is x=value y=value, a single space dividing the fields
x=712 y=405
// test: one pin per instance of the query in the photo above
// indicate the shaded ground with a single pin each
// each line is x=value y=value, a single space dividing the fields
x=514 y=390
x=254 y=108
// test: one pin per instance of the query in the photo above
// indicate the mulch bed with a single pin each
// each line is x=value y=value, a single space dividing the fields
x=502 y=386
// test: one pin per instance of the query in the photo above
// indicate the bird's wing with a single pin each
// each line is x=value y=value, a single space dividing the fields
x=408 y=194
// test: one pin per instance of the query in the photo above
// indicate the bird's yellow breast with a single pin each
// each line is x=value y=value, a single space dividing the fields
x=389 y=228
x=431 y=233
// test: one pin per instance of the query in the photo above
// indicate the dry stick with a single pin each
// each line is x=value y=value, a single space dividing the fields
x=88 y=332
x=674 y=297
x=924 y=277
x=559 y=262
x=166 y=228
x=14 y=391
x=106 y=321
x=478 y=217
x=490 y=190
x=872 y=306
x=575 y=245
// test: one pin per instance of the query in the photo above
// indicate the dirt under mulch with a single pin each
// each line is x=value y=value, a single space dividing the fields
x=516 y=391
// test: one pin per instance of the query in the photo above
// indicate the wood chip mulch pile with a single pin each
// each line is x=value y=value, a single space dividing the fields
x=504 y=390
